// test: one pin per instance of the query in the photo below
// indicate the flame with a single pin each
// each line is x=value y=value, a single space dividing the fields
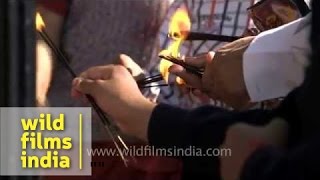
x=39 y=22
x=180 y=24
x=179 y=28
x=164 y=66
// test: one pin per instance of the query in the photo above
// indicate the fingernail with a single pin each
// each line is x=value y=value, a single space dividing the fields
x=183 y=57
x=175 y=69
x=76 y=81
x=123 y=56
x=211 y=54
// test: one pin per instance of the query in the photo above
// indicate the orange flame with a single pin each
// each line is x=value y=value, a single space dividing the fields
x=39 y=22
x=179 y=28
x=180 y=24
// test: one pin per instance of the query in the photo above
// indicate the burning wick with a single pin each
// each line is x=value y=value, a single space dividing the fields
x=40 y=26
x=60 y=56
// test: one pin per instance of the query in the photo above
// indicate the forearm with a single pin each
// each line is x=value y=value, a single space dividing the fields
x=45 y=57
x=203 y=127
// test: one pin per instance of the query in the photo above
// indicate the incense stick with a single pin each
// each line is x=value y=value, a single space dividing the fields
x=106 y=121
x=194 y=36
x=156 y=85
x=194 y=70
x=150 y=79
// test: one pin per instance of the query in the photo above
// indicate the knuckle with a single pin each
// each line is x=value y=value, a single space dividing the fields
x=91 y=69
x=119 y=68
x=99 y=82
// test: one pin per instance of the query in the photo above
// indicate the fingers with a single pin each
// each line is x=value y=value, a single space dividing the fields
x=98 y=72
x=127 y=62
x=199 y=61
x=85 y=86
x=189 y=78
x=197 y=92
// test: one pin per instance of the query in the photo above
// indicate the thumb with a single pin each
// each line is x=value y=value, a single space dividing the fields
x=190 y=79
x=125 y=60
x=129 y=63
x=210 y=56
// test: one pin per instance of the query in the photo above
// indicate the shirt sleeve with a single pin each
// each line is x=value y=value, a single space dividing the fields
x=192 y=135
x=275 y=61
x=58 y=6
x=171 y=126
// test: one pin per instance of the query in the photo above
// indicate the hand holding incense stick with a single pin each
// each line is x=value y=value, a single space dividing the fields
x=110 y=127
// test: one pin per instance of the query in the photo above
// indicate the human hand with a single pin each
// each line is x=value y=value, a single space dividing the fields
x=135 y=70
x=223 y=74
x=200 y=61
x=116 y=93
x=243 y=140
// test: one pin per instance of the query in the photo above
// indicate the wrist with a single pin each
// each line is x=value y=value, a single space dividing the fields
x=139 y=117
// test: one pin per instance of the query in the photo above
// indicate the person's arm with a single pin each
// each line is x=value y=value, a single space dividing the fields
x=302 y=162
x=275 y=61
x=208 y=128
x=160 y=124
x=53 y=13
x=171 y=126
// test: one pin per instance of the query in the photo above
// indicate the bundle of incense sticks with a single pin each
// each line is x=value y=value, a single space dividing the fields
x=194 y=70
x=194 y=36
x=143 y=83
x=110 y=126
